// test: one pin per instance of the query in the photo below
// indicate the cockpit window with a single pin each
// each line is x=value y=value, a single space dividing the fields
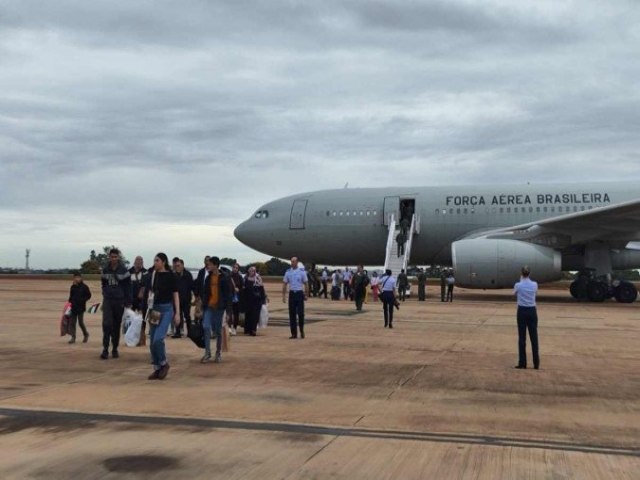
x=262 y=214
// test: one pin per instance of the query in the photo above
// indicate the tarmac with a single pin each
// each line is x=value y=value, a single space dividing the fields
x=437 y=397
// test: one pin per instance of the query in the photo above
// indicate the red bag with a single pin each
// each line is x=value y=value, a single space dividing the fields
x=65 y=320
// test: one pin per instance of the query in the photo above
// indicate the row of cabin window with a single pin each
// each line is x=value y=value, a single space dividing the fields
x=466 y=211
x=348 y=213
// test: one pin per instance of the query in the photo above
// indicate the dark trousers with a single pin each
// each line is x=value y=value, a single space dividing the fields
x=78 y=318
x=296 y=309
x=387 y=307
x=346 y=290
x=252 y=317
x=449 y=293
x=443 y=292
x=111 y=322
x=422 y=293
x=324 y=289
x=402 y=290
x=359 y=297
x=185 y=314
x=235 y=314
x=527 y=320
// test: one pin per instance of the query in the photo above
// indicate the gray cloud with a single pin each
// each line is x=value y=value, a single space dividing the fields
x=194 y=113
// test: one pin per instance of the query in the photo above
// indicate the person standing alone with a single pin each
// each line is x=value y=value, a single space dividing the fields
x=526 y=290
x=116 y=294
x=79 y=294
x=298 y=283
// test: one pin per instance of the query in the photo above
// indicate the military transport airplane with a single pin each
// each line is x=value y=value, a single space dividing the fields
x=485 y=232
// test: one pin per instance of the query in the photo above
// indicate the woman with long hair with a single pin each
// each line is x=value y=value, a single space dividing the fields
x=254 y=298
x=164 y=306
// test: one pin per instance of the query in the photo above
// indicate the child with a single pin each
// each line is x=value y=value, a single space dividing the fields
x=79 y=294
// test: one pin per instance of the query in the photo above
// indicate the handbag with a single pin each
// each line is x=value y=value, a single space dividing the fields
x=153 y=316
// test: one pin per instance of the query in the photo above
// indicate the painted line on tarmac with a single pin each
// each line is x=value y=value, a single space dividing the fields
x=47 y=416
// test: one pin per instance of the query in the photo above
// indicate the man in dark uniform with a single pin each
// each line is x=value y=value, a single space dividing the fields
x=403 y=284
x=359 y=281
x=443 y=284
x=525 y=291
x=422 y=285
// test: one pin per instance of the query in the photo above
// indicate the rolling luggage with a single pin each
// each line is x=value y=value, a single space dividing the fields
x=335 y=293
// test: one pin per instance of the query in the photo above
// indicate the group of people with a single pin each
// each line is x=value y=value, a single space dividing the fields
x=163 y=295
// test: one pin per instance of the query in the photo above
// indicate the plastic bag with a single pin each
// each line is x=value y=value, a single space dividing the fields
x=264 y=317
x=134 y=330
x=65 y=320
x=126 y=319
x=225 y=338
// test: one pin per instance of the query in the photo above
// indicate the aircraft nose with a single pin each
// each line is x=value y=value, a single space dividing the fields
x=242 y=232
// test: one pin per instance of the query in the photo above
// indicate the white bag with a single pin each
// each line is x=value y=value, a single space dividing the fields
x=132 y=337
x=264 y=317
x=126 y=319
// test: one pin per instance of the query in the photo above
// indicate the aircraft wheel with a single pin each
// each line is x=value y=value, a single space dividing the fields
x=578 y=289
x=626 y=292
x=597 y=291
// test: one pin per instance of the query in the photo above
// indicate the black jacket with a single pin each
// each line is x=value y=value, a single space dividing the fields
x=198 y=285
x=185 y=286
x=78 y=296
x=116 y=284
x=225 y=292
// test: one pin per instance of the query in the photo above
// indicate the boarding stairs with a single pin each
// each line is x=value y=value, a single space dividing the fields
x=392 y=260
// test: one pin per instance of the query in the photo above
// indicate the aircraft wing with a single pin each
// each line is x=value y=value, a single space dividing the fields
x=616 y=224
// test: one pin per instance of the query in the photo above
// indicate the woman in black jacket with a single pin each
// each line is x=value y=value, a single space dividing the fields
x=254 y=298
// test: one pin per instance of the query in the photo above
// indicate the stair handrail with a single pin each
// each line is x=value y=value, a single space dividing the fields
x=407 y=249
x=390 y=239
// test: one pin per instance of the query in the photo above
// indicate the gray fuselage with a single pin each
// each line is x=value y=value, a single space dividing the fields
x=349 y=226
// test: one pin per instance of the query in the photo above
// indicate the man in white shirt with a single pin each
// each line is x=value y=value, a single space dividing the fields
x=526 y=290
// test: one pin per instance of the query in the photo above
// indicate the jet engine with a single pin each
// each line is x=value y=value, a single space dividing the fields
x=489 y=263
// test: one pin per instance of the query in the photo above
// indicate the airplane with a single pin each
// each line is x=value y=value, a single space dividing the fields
x=487 y=233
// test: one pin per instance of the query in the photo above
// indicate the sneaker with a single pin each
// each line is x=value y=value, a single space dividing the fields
x=162 y=373
x=73 y=340
x=115 y=354
x=154 y=375
x=104 y=355
x=301 y=334
x=233 y=332
x=86 y=338
x=218 y=358
x=206 y=358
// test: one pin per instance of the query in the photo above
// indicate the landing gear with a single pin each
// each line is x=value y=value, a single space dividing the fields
x=597 y=290
x=625 y=292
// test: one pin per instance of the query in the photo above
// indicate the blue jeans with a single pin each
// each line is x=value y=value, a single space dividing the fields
x=212 y=319
x=157 y=334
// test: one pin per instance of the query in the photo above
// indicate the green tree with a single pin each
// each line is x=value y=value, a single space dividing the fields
x=102 y=259
x=228 y=261
x=277 y=267
x=90 y=266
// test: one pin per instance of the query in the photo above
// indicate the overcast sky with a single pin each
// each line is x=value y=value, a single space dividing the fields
x=160 y=125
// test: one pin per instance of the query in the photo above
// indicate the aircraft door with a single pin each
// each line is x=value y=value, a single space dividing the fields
x=391 y=206
x=298 y=211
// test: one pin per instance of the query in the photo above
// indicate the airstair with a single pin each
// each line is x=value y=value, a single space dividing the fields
x=392 y=260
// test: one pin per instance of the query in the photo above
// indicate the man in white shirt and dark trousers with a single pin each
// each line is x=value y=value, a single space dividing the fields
x=298 y=283
x=525 y=291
